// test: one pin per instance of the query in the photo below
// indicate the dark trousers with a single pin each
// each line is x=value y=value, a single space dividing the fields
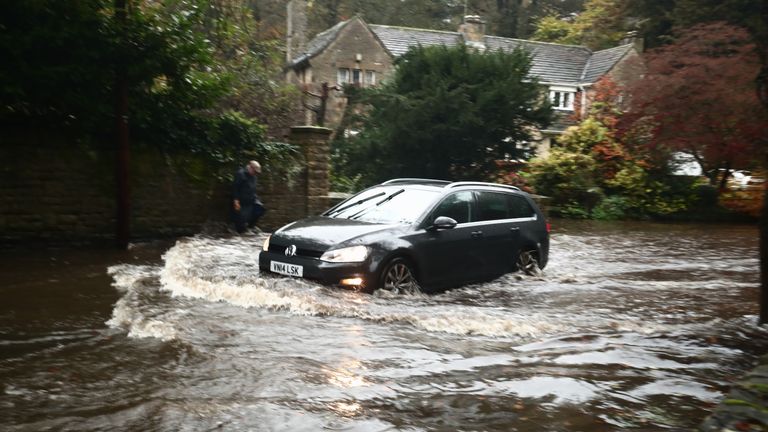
x=248 y=215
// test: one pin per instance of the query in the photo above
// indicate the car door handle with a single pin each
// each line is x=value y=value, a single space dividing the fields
x=514 y=229
x=476 y=234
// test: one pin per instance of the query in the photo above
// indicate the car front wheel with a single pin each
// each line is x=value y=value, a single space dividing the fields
x=398 y=277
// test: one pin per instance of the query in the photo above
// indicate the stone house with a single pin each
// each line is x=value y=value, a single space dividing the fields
x=356 y=52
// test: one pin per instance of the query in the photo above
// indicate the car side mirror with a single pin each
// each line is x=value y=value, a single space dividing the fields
x=443 y=223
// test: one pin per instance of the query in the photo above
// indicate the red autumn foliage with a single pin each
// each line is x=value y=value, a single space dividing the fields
x=698 y=96
x=604 y=101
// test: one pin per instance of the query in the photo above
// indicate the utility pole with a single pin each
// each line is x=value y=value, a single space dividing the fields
x=122 y=174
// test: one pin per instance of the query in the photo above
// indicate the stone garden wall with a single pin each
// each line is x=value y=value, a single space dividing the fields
x=54 y=189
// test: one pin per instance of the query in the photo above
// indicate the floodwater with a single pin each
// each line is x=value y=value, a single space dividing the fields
x=632 y=326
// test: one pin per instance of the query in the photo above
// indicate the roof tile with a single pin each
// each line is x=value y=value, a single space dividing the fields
x=551 y=63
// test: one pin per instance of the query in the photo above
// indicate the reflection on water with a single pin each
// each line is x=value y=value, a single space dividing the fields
x=632 y=326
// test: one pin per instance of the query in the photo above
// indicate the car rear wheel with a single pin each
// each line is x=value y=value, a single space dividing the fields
x=398 y=277
x=528 y=263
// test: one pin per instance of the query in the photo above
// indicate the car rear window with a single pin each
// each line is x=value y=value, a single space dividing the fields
x=495 y=206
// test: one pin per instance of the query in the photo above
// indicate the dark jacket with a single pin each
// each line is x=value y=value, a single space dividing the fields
x=244 y=187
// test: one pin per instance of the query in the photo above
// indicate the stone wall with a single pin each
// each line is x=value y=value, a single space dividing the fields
x=53 y=189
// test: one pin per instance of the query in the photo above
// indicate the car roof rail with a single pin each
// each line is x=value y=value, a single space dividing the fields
x=417 y=181
x=471 y=183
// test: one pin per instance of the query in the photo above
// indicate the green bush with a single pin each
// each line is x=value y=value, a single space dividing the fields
x=611 y=208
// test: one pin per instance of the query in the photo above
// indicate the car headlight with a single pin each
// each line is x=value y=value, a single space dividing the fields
x=265 y=246
x=347 y=254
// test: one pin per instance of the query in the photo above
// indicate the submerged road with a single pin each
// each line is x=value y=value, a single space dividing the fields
x=632 y=326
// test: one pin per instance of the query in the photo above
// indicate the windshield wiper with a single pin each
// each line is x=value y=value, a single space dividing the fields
x=363 y=211
x=356 y=203
x=394 y=194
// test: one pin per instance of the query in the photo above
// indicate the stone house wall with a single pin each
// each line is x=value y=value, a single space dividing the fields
x=355 y=48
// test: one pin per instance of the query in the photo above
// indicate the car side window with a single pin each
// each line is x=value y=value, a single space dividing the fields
x=456 y=206
x=492 y=206
x=519 y=207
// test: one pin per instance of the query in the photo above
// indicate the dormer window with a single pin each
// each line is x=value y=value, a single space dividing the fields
x=562 y=98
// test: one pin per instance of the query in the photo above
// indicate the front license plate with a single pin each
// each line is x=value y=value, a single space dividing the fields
x=287 y=269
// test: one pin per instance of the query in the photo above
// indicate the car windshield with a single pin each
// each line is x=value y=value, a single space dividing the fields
x=386 y=205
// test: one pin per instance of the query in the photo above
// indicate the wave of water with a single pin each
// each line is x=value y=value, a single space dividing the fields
x=225 y=270
x=624 y=330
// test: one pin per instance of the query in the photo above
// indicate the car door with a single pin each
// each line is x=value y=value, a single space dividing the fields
x=499 y=233
x=525 y=222
x=449 y=256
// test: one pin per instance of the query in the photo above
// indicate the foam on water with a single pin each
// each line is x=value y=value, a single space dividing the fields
x=193 y=268
x=133 y=312
x=226 y=270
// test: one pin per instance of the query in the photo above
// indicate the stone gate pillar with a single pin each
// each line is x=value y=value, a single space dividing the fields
x=315 y=144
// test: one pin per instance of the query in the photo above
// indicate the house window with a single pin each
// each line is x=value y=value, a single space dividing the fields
x=358 y=77
x=562 y=100
x=342 y=76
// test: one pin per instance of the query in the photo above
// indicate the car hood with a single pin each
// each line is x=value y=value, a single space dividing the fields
x=321 y=233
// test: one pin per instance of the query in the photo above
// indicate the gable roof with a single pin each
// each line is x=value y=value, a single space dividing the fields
x=319 y=43
x=603 y=61
x=551 y=63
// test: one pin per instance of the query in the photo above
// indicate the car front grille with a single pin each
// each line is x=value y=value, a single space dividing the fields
x=309 y=253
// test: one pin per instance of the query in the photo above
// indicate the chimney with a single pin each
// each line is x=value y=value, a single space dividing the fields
x=296 y=29
x=473 y=30
x=632 y=38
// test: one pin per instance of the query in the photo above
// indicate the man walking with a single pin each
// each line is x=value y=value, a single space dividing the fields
x=245 y=202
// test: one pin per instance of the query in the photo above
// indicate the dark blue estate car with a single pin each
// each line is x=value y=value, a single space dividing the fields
x=410 y=235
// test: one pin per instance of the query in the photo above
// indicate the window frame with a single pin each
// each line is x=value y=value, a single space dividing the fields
x=365 y=77
x=562 y=98
x=343 y=76
x=369 y=79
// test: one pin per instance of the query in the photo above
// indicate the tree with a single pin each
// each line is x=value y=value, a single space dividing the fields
x=447 y=113
x=658 y=17
x=434 y=14
x=593 y=174
x=697 y=96
x=249 y=52
x=192 y=67
x=601 y=25
x=187 y=73
x=509 y=18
